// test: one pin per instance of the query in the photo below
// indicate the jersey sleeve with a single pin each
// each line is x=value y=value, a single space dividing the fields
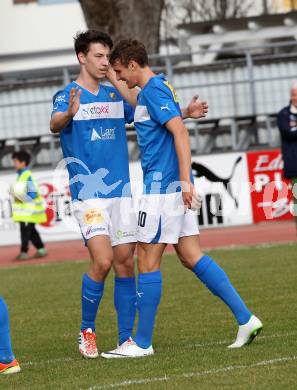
x=128 y=109
x=128 y=112
x=60 y=101
x=161 y=104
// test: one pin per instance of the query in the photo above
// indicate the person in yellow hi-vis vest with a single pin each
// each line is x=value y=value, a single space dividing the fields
x=28 y=206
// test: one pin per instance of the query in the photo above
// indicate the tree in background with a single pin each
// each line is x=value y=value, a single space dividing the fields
x=176 y=12
x=188 y=11
x=148 y=20
x=139 y=19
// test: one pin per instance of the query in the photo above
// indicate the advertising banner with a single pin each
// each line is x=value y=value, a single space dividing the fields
x=271 y=195
x=236 y=189
x=222 y=181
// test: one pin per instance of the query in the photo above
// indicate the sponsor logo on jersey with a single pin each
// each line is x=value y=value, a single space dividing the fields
x=60 y=99
x=92 y=216
x=103 y=134
x=100 y=110
x=96 y=110
x=165 y=107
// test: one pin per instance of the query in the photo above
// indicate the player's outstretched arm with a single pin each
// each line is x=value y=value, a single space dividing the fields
x=130 y=95
x=60 y=120
x=196 y=109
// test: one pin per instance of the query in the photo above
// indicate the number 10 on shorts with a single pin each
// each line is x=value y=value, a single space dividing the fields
x=141 y=218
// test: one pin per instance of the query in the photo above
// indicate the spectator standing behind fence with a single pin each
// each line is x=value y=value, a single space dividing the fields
x=287 y=124
x=28 y=207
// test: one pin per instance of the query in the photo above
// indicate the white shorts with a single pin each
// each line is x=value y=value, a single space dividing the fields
x=114 y=217
x=162 y=218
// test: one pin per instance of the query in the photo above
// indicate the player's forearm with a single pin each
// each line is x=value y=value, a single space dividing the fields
x=59 y=121
x=130 y=95
x=183 y=151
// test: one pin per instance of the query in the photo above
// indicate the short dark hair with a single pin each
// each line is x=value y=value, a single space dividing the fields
x=22 y=155
x=129 y=50
x=82 y=40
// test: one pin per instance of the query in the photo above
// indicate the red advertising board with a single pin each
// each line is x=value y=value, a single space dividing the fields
x=271 y=194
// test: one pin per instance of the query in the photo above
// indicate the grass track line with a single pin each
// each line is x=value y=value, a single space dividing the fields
x=193 y=374
x=69 y=359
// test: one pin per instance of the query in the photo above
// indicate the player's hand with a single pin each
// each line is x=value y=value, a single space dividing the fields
x=187 y=193
x=74 y=101
x=197 y=108
x=196 y=201
x=111 y=74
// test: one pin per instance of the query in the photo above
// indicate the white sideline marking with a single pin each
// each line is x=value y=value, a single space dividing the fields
x=49 y=361
x=69 y=359
x=193 y=374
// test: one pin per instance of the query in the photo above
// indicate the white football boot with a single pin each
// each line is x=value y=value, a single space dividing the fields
x=129 y=349
x=247 y=332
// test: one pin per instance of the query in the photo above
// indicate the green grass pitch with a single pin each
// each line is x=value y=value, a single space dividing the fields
x=192 y=331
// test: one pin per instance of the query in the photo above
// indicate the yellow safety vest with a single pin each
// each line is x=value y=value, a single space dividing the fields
x=25 y=209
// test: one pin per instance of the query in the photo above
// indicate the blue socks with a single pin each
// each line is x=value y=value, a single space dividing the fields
x=219 y=284
x=125 y=305
x=6 y=354
x=91 y=295
x=148 y=298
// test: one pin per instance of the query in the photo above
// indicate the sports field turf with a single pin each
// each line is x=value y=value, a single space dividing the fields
x=192 y=330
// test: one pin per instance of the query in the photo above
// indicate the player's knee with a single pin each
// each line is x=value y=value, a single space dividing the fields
x=188 y=260
x=124 y=266
x=125 y=259
x=148 y=266
x=102 y=266
x=129 y=263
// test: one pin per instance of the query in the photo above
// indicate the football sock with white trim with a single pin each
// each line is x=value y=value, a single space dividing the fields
x=149 y=292
x=125 y=305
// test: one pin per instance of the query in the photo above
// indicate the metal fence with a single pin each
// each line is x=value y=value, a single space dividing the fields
x=245 y=88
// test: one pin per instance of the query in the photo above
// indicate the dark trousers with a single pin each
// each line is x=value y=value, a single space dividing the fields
x=29 y=233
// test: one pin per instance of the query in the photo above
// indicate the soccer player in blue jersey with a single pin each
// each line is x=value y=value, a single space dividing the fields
x=8 y=362
x=90 y=118
x=166 y=213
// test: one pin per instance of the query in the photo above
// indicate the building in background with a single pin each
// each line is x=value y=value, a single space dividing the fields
x=284 y=5
x=38 y=33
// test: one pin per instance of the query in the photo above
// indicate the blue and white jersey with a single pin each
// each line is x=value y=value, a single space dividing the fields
x=157 y=104
x=94 y=143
